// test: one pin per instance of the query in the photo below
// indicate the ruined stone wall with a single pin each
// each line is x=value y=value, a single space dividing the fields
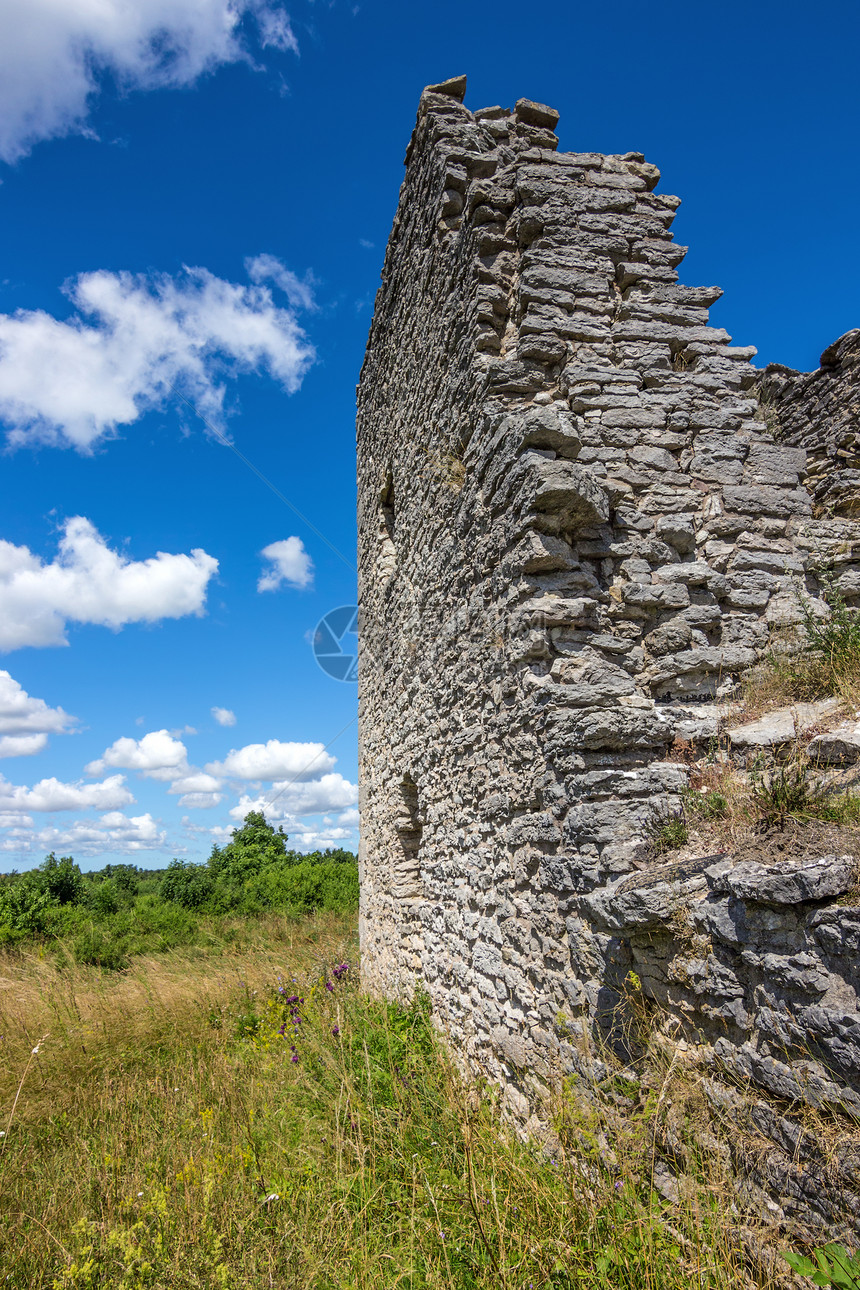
x=575 y=533
x=820 y=411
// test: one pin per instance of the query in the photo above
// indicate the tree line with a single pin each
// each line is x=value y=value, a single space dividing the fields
x=105 y=915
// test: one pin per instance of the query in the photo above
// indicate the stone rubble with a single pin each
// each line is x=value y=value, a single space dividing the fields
x=576 y=532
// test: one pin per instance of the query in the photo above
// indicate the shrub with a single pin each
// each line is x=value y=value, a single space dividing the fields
x=832 y=1266
x=308 y=886
x=835 y=639
x=828 y=662
x=188 y=885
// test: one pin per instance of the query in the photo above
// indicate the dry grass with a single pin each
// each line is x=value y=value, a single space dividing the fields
x=787 y=677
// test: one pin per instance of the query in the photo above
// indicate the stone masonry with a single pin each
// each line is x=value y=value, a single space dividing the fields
x=576 y=531
x=820 y=411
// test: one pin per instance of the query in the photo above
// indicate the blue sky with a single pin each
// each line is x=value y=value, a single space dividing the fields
x=195 y=200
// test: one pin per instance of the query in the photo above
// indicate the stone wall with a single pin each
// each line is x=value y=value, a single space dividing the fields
x=575 y=532
x=820 y=411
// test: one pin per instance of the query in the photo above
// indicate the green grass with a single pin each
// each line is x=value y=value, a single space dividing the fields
x=225 y=1119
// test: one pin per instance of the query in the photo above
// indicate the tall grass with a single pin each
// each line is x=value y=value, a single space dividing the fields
x=251 y=1119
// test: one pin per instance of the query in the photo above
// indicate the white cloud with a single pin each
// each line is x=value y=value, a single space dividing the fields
x=53 y=795
x=25 y=722
x=274 y=760
x=289 y=563
x=113 y=832
x=157 y=755
x=267 y=268
x=74 y=381
x=20 y=714
x=196 y=781
x=328 y=793
x=350 y=818
x=22 y=745
x=198 y=790
x=89 y=583
x=319 y=840
x=224 y=716
x=200 y=801
x=53 y=54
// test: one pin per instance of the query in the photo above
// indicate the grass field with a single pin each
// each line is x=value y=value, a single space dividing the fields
x=243 y=1116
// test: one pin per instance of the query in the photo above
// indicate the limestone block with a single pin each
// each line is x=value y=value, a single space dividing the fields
x=839 y=747
x=567 y=494
x=781 y=726
x=788 y=883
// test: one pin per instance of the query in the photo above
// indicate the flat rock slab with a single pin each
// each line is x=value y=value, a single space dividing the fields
x=781 y=726
x=839 y=747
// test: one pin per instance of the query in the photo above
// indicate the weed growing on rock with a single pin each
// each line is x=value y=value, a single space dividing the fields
x=783 y=792
x=668 y=832
x=824 y=662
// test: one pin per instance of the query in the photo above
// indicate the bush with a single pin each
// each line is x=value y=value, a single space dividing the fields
x=188 y=885
x=828 y=663
x=93 y=946
x=308 y=886
x=669 y=832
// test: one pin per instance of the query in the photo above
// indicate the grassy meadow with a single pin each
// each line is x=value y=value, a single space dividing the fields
x=241 y=1115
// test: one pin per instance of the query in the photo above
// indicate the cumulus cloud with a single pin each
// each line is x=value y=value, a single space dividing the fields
x=200 y=801
x=288 y=562
x=22 y=745
x=196 y=781
x=53 y=795
x=274 y=760
x=157 y=755
x=87 y=582
x=299 y=291
x=25 y=722
x=198 y=790
x=224 y=716
x=330 y=792
x=54 y=53
x=113 y=832
x=72 y=382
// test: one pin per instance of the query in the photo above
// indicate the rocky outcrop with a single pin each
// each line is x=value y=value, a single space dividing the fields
x=575 y=533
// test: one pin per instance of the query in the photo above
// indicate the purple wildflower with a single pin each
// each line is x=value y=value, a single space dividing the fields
x=329 y=987
x=294 y=1057
x=335 y=1030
